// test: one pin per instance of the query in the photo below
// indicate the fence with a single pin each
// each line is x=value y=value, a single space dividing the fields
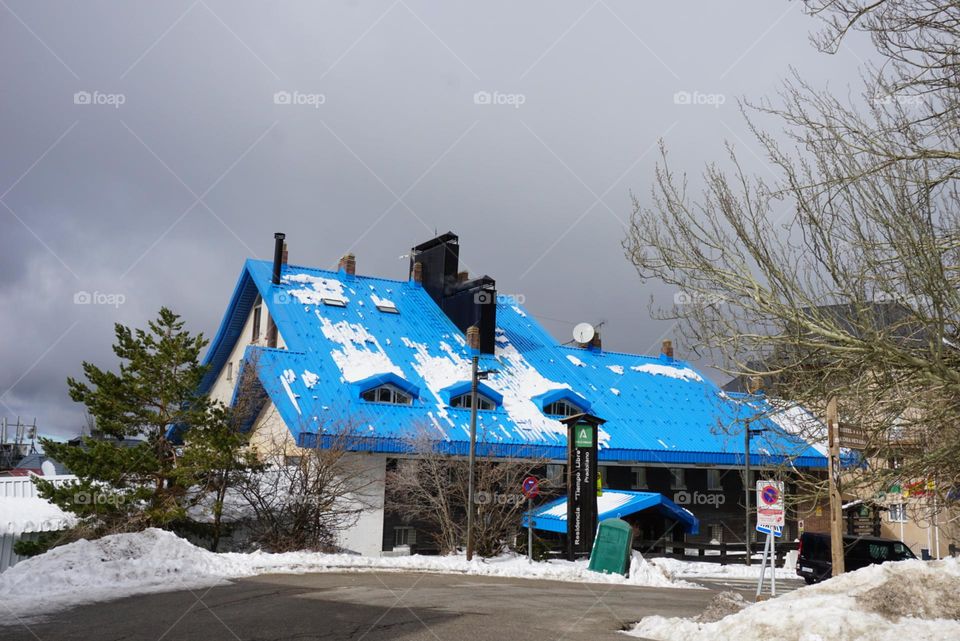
x=24 y=514
x=722 y=553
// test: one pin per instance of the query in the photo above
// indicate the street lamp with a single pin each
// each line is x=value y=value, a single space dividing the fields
x=476 y=374
x=747 y=433
x=753 y=386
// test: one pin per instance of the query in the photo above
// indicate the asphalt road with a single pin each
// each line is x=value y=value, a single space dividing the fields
x=369 y=606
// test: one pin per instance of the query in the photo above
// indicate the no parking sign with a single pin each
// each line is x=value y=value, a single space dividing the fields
x=770 y=511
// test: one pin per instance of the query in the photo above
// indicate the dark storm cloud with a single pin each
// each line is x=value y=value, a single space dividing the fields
x=203 y=127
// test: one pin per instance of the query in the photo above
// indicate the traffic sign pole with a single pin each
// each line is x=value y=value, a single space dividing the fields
x=530 y=488
x=530 y=529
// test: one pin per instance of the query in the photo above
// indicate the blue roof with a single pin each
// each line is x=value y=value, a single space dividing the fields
x=342 y=338
x=614 y=504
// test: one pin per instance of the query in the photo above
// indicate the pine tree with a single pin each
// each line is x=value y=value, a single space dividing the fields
x=214 y=459
x=123 y=488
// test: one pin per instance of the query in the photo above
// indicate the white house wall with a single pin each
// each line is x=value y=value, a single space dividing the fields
x=366 y=535
x=222 y=389
x=270 y=433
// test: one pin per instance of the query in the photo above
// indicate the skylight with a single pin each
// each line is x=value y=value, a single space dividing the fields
x=333 y=302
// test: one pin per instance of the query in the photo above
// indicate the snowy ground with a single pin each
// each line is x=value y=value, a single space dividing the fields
x=677 y=569
x=158 y=561
x=913 y=600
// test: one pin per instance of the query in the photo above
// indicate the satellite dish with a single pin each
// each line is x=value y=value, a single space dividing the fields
x=583 y=333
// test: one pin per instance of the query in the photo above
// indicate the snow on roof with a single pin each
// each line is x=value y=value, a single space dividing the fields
x=656 y=410
x=576 y=361
x=682 y=373
x=320 y=289
x=608 y=502
x=797 y=421
x=31 y=514
x=360 y=354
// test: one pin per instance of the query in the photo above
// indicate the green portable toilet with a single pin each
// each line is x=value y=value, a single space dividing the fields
x=611 y=548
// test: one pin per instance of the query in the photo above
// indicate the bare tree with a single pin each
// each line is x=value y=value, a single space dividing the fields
x=839 y=277
x=304 y=497
x=431 y=487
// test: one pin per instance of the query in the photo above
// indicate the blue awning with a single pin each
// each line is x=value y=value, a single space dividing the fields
x=614 y=504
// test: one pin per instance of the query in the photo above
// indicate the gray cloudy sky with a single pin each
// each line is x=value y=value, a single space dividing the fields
x=522 y=127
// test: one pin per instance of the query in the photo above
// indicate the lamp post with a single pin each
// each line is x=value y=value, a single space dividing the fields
x=753 y=387
x=475 y=375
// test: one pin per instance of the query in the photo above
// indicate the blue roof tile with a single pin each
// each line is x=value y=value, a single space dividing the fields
x=340 y=341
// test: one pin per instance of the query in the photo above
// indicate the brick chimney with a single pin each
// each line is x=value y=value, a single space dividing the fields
x=348 y=264
x=666 y=350
x=595 y=342
x=418 y=273
x=473 y=337
x=463 y=277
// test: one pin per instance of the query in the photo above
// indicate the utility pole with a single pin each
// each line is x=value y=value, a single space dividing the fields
x=836 y=516
x=754 y=385
x=473 y=454
x=746 y=490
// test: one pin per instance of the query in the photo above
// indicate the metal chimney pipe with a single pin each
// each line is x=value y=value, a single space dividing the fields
x=277 y=256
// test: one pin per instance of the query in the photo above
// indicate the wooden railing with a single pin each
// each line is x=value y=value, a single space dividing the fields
x=722 y=553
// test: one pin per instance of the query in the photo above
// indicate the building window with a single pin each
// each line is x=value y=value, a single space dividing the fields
x=715 y=531
x=256 y=324
x=898 y=513
x=639 y=477
x=387 y=394
x=561 y=408
x=713 y=480
x=404 y=535
x=554 y=473
x=230 y=371
x=678 y=479
x=464 y=400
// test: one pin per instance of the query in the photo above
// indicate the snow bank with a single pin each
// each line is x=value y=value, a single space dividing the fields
x=677 y=569
x=913 y=600
x=159 y=561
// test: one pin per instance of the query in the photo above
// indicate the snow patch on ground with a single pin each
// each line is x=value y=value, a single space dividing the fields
x=158 y=561
x=677 y=569
x=913 y=600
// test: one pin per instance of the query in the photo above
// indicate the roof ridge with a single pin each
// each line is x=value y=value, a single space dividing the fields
x=656 y=359
x=333 y=273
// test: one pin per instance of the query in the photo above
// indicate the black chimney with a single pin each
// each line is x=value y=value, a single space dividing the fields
x=467 y=302
x=277 y=256
x=439 y=260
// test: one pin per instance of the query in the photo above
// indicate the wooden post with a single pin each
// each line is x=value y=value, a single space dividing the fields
x=836 y=516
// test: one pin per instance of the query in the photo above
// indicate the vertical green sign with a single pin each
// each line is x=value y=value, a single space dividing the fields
x=583 y=436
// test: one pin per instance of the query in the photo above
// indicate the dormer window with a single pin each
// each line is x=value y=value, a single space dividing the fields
x=561 y=407
x=464 y=400
x=387 y=394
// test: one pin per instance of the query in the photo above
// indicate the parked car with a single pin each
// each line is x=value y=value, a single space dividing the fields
x=814 y=561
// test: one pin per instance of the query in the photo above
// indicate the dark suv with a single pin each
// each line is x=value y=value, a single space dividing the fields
x=814 y=563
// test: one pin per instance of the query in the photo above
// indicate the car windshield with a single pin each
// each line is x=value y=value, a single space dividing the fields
x=901 y=551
